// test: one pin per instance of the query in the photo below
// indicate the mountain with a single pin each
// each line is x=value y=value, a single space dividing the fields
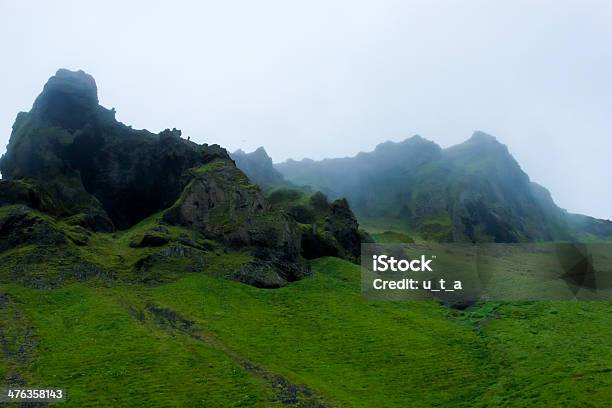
x=258 y=166
x=474 y=191
x=84 y=195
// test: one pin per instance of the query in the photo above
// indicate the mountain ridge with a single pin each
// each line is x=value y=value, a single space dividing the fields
x=472 y=191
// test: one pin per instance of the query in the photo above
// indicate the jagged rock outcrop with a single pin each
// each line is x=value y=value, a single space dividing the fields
x=72 y=170
x=343 y=225
x=328 y=229
x=220 y=201
x=93 y=164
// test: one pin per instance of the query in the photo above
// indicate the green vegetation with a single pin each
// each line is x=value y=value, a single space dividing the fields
x=91 y=343
x=145 y=288
x=206 y=341
x=216 y=164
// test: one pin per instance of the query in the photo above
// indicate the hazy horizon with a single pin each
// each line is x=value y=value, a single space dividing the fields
x=331 y=79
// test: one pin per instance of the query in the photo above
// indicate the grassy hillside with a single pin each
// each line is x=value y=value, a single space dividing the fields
x=206 y=341
x=122 y=253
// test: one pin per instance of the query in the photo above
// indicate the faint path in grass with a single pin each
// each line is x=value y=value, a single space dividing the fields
x=285 y=391
x=322 y=333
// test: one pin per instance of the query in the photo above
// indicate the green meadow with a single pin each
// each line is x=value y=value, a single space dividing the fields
x=202 y=340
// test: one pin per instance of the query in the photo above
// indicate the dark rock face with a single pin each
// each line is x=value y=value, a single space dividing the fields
x=72 y=170
x=317 y=245
x=326 y=229
x=69 y=100
x=136 y=176
x=344 y=227
x=94 y=164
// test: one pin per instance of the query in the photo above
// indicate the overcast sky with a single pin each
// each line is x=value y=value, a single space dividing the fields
x=326 y=79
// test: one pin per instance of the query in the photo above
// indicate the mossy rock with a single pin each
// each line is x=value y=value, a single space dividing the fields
x=260 y=274
x=153 y=237
x=30 y=193
x=19 y=225
x=167 y=263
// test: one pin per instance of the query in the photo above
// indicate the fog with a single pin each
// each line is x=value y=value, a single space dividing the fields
x=326 y=79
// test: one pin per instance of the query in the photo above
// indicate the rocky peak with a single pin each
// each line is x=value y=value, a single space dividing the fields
x=481 y=137
x=481 y=143
x=261 y=152
x=76 y=147
x=69 y=99
x=483 y=153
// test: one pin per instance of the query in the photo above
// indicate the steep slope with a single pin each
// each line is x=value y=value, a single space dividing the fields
x=80 y=151
x=72 y=172
x=475 y=191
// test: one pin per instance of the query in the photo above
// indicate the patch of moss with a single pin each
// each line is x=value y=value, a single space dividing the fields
x=208 y=167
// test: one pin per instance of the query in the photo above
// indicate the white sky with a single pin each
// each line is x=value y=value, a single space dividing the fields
x=332 y=78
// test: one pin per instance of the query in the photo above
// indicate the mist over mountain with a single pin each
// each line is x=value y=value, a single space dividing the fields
x=72 y=171
x=474 y=191
x=259 y=167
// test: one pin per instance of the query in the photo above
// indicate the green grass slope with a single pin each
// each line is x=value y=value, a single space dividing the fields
x=206 y=341
x=89 y=343
x=320 y=332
